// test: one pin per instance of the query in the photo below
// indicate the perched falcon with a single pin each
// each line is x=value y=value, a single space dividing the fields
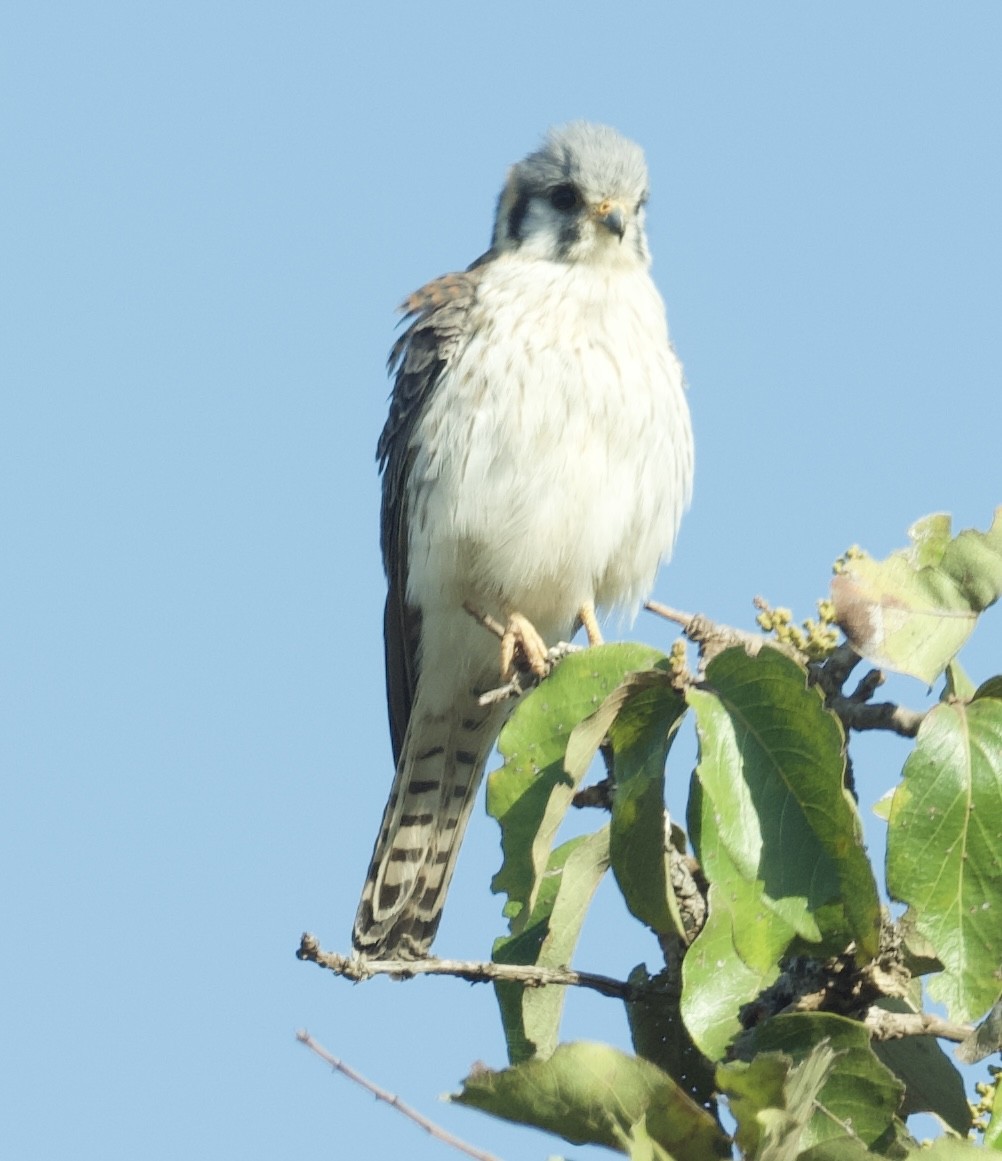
x=536 y=462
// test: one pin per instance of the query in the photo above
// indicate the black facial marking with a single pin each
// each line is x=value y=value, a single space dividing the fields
x=570 y=235
x=516 y=215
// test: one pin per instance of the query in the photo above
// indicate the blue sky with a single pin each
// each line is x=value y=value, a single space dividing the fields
x=210 y=212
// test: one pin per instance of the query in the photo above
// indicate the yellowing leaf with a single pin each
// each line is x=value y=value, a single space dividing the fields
x=913 y=611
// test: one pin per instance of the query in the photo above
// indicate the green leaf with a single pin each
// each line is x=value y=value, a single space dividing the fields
x=660 y=1035
x=917 y=953
x=859 y=1096
x=950 y=1149
x=752 y=1088
x=882 y=807
x=990 y=688
x=913 y=611
x=639 y=1145
x=944 y=850
x=640 y=737
x=932 y=1082
x=736 y=955
x=958 y=686
x=795 y=825
x=531 y=1016
x=993 y=1130
x=837 y=1149
x=985 y=1040
x=549 y=893
x=774 y=1100
x=778 y=837
x=595 y=1094
x=532 y=791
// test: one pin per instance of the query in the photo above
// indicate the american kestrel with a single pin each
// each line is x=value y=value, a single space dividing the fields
x=536 y=462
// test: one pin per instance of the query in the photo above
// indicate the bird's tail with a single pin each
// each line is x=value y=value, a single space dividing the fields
x=440 y=768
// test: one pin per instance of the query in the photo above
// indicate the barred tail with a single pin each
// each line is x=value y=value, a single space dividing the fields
x=439 y=772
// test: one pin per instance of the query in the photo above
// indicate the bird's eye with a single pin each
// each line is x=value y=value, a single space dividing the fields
x=563 y=198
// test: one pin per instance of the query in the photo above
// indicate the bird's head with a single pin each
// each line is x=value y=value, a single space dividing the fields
x=580 y=198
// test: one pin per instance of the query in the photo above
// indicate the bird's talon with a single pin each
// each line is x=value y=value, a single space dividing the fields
x=523 y=650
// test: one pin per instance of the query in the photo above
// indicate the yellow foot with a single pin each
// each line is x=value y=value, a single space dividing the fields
x=522 y=648
x=586 y=615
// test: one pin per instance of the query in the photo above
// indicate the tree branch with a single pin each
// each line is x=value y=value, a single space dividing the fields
x=381 y=1094
x=832 y=673
x=855 y=710
x=881 y=715
x=884 y=1025
x=713 y=638
x=474 y=971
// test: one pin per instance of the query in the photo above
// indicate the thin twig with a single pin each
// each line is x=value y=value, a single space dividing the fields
x=884 y=1025
x=513 y=688
x=381 y=1094
x=679 y=618
x=712 y=638
x=474 y=971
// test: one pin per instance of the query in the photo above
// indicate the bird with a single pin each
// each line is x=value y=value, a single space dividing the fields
x=536 y=462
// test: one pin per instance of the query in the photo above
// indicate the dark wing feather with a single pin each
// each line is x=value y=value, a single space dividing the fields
x=420 y=356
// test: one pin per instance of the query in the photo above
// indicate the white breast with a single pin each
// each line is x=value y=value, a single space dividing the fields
x=555 y=459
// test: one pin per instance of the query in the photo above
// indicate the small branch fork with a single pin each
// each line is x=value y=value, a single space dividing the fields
x=882 y=1025
x=855 y=709
x=381 y=1094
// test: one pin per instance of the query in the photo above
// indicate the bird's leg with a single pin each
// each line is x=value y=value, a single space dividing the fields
x=586 y=615
x=522 y=648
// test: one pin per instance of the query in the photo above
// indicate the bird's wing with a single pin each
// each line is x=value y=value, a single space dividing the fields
x=420 y=356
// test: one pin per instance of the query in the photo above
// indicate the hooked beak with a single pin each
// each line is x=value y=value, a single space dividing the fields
x=611 y=215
